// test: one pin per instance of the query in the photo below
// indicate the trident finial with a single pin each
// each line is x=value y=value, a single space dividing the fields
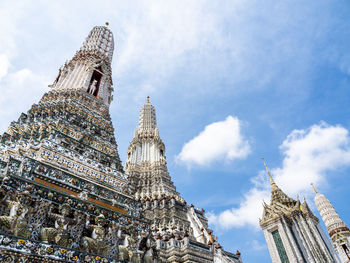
x=268 y=172
x=107 y=24
x=313 y=187
x=148 y=100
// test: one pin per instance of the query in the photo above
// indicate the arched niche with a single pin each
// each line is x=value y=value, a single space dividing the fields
x=95 y=81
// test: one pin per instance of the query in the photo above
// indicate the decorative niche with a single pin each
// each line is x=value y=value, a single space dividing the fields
x=95 y=81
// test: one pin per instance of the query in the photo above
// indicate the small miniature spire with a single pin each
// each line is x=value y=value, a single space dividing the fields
x=107 y=24
x=147 y=120
x=272 y=182
x=313 y=187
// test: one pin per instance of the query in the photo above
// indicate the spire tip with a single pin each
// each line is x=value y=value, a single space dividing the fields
x=313 y=187
x=272 y=182
x=148 y=100
x=107 y=24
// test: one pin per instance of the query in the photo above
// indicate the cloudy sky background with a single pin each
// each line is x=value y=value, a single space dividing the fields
x=231 y=81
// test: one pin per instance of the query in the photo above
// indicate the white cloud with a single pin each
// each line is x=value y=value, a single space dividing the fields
x=308 y=156
x=161 y=44
x=247 y=214
x=158 y=38
x=19 y=90
x=218 y=141
x=4 y=65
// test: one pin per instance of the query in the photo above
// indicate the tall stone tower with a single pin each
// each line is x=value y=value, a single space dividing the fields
x=146 y=164
x=337 y=230
x=292 y=232
x=64 y=195
x=88 y=77
x=180 y=229
x=90 y=68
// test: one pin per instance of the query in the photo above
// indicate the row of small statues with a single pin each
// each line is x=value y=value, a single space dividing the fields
x=131 y=244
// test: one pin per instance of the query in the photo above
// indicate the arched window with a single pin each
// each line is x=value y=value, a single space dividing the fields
x=95 y=82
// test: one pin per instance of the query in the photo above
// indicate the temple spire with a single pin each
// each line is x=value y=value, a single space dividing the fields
x=314 y=188
x=272 y=182
x=90 y=68
x=146 y=151
x=337 y=229
x=147 y=121
x=99 y=42
x=277 y=195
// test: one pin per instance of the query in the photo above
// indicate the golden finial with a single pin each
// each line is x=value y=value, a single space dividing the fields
x=268 y=172
x=107 y=24
x=148 y=100
x=313 y=187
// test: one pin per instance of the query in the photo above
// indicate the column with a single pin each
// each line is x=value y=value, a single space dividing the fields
x=304 y=241
x=294 y=246
x=272 y=247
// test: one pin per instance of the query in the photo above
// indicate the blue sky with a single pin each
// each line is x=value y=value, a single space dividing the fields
x=231 y=81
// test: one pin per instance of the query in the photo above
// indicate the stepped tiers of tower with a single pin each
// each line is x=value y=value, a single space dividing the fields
x=64 y=195
x=293 y=232
x=337 y=230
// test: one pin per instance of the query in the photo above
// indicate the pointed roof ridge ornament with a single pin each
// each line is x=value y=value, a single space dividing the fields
x=272 y=182
x=313 y=187
x=277 y=195
x=148 y=101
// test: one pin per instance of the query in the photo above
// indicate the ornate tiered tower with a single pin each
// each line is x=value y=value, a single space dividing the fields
x=292 y=232
x=64 y=195
x=337 y=230
x=146 y=164
x=181 y=230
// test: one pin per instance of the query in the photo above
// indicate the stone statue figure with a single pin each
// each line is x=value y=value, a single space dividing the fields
x=148 y=247
x=126 y=248
x=16 y=222
x=133 y=246
x=93 y=87
x=96 y=243
x=58 y=234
